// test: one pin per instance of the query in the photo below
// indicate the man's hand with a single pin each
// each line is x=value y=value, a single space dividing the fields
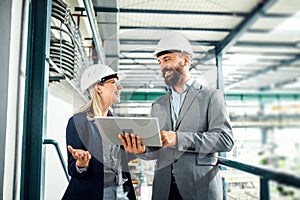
x=82 y=157
x=168 y=138
x=132 y=143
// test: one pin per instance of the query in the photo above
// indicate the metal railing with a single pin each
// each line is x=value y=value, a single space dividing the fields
x=265 y=175
x=56 y=145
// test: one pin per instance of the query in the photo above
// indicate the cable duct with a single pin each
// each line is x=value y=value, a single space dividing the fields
x=67 y=54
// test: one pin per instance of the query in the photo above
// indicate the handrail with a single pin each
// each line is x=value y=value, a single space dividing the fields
x=55 y=143
x=264 y=174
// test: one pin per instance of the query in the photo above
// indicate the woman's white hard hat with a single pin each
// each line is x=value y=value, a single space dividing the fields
x=97 y=73
x=173 y=43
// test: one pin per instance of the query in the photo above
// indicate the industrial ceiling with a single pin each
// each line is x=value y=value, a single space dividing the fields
x=250 y=45
x=258 y=41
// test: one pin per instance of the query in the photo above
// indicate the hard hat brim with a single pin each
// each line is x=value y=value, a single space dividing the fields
x=158 y=53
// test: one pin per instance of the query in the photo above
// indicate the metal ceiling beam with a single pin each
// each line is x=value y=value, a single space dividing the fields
x=187 y=12
x=264 y=53
x=266 y=44
x=266 y=70
x=231 y=38
x=154 y=42
x=136 y=51
x=191 y=29
x=140 y=58
x=279 y=85
x=208 y=42
x=153 y=11
x=175 y=12
x=175 y=28
x=151 y=51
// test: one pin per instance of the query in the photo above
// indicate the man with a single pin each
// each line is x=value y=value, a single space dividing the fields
x=194 y=129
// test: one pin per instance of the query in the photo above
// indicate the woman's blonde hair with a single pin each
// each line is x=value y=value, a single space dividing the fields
x=93 y=107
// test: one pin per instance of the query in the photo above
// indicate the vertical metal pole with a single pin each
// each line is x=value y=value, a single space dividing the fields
x=264 y=189
x=88 y=5
x=220 y=84
x=224 y=185
x=264 y=135
x=37 y=75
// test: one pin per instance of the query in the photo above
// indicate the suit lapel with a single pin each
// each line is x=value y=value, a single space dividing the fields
x=168 y=107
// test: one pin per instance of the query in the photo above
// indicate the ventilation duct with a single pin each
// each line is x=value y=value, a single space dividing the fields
x=67 y=55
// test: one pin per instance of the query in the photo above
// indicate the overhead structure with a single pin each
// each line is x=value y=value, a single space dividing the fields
x=258 y=40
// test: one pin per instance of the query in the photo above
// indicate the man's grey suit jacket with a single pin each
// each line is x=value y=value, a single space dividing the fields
x=203 y=130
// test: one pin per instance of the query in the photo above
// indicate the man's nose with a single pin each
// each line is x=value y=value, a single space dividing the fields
x=163 y=66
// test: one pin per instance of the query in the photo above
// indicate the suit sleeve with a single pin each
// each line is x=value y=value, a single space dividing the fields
x=217 y=138
x=73 y=139
x=152 y=152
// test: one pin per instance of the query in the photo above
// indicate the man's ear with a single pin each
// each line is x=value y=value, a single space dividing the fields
x=187 y=60
x=98 y=89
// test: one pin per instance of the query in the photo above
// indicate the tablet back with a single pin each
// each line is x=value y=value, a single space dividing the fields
x=146 y=128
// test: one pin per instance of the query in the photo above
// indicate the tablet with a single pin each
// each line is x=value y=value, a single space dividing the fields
x=146 y=128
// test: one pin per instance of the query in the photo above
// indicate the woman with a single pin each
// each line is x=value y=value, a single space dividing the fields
x=98 y=171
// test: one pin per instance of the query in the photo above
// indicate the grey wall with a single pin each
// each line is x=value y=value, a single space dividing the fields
x=5 y=24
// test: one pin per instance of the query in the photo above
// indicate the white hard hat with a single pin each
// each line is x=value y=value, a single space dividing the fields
x=98 y=73
x=171 y=43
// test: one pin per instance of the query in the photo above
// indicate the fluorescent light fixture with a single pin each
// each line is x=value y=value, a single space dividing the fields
x=289 y=25
x=238 y=59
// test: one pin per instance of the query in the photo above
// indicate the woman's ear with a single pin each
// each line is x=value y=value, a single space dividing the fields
x=98 y=89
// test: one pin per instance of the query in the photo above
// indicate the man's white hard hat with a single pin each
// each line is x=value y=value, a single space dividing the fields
x=97 y=73
x=174 y=42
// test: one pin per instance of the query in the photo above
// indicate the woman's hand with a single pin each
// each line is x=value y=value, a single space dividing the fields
x=132 y=143
x=82 y=157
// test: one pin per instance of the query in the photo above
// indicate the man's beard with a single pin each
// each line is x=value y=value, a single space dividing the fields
x=174 y=77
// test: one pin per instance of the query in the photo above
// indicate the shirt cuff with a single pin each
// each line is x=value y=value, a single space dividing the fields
x=81 y=169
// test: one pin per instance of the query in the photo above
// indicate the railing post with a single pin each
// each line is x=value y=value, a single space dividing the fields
x=224 y=185
x=264 y=189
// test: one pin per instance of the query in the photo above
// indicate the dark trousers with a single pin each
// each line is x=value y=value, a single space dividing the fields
x=174 y=192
